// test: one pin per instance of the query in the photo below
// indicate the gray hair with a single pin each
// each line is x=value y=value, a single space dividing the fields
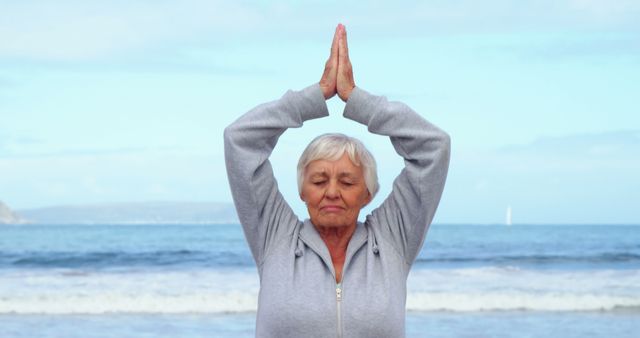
x=331 y=147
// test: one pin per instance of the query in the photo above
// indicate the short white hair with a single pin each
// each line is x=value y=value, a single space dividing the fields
x=331 y=147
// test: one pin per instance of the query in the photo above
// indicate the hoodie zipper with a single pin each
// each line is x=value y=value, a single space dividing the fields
x=338 y=308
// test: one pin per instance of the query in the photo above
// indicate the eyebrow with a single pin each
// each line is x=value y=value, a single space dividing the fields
x=323 y=173
x=347 y=174
x=316 y=173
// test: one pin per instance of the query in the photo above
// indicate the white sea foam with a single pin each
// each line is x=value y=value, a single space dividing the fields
x=509 y=301
x=113 y=302
x=236 y=290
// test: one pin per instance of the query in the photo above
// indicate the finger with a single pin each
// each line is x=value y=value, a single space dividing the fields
x=343 y=56
x=343 y=51
x=344 y=39
x=334 y=43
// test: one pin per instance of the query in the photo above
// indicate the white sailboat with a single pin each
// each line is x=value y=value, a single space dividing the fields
x=508 y=218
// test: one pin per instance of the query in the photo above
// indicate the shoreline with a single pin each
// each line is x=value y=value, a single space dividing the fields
x=436 y=324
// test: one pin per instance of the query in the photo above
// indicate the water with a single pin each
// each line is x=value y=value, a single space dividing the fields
x=199 y=280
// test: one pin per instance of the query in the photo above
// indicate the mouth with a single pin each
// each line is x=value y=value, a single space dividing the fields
x=332 y=208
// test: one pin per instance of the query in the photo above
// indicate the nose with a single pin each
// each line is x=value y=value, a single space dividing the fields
x=332 y=192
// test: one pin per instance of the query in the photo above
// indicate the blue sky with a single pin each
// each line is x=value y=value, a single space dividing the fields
x=126 y=100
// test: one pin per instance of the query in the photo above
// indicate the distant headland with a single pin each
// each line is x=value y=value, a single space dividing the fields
x=124 y=213
x=8 y=216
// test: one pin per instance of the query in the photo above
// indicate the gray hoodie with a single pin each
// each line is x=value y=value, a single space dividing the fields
x=299 y=296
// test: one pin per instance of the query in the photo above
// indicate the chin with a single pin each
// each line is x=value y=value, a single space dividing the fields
x=329 y=222
x=334 y=225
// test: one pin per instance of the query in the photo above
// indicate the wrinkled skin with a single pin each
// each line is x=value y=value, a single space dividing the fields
x=335 y=191
x=338 y=73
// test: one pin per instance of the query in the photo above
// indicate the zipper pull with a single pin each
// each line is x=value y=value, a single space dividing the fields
x=338 y=293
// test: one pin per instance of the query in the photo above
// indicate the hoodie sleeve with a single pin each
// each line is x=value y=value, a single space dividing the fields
x=405 y=215
x=248 y=142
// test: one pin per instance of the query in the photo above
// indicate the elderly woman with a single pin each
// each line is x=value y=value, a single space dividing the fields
x=331 y=275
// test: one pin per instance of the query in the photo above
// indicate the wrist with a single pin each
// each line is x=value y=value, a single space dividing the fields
x=346 y=93
x=327 y=92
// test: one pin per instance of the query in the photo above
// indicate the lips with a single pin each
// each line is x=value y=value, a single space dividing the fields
x=332 y=208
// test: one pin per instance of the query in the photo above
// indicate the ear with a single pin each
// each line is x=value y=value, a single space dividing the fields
x=302 y=197
x=368 y=199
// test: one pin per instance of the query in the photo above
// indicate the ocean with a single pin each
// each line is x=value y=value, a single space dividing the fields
x=200 y=281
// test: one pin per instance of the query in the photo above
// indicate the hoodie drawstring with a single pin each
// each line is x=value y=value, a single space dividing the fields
x=374 y=243
x=299 y=248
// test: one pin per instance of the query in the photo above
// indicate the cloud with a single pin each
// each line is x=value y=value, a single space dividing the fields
x=618 y=150
x=71 y=30
x=6 y=83
x=562 y=46
x=117 y=176
x=80 y=30
x=581 y=178
x=17 y=147
x=10 y=144
x=621 y=11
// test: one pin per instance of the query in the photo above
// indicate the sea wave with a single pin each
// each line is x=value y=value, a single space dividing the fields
x=114 y=302
x=237 y=301
x=117 y=259
x=241 y=257
x=605 y=258
x=75 y=291
x=519 y=301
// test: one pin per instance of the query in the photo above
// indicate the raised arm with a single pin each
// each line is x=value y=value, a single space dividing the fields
x=248 y=142
x=404 y=217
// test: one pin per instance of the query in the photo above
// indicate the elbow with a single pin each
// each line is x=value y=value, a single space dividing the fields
x=445 y=146
x=230 y=141
x=229 y=134
x=443 y=140
x=446 y=142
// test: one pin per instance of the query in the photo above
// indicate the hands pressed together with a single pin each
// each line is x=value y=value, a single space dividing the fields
x=338 y=73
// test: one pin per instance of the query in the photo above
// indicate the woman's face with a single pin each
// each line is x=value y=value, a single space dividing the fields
x=334 y=192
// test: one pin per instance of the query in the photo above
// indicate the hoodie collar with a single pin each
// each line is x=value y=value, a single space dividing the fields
x=311 y=238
